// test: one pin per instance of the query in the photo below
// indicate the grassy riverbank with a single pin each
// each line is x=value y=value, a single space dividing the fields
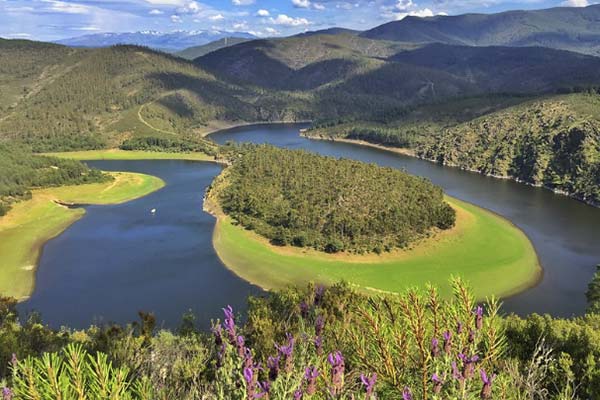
x=31 y=223
x=117 y=154
x=485 y=249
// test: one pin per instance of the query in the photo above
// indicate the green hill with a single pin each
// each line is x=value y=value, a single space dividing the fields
x=81 y=98
x=553 y=143
x=566 y=28
x=198 y=51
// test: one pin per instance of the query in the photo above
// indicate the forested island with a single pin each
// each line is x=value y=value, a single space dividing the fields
x=306 y=200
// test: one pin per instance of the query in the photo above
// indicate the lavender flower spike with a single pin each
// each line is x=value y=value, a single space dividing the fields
x=479 y=317
x=437 y=383
x=7 y=394
x=310 y=375
x=447 y=341
x=337 y=371
x=369 y=384
x=435 y=348
x=486 y=390
x=298 y=394
x=406 y=394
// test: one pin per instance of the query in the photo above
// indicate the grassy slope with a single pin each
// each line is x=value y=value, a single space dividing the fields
x=25 y=229
x=115 y=154
x=487 y=250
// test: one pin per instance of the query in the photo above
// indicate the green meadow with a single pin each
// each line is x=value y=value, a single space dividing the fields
x=484 y=249
x=31 y=223
x=116 y=154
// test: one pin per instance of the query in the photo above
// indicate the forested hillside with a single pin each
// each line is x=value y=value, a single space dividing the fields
x=306 y=200
x=566 y=28
x=554 y=143
x=20 y=171
x=82 y=99
x=194 y=52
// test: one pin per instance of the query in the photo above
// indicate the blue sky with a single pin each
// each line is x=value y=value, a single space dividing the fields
x=57 y=19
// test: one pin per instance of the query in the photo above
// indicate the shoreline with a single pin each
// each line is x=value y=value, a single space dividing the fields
x=411 y=153
x=227 y=126
x=533 y=276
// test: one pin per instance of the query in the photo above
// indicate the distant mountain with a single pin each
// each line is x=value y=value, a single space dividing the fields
x=199 y=51
x=567 y=28
x=358 y=66
x=166 y=41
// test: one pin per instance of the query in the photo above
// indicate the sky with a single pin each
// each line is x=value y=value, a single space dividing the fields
x=58 y=19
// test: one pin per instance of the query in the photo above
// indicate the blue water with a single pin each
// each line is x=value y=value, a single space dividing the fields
x=118 y=260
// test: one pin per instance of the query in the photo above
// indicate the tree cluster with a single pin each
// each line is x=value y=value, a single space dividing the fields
x=306 y=200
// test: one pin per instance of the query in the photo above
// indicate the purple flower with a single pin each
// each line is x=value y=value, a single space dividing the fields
x=265 y=388
x=369 y=384
x=304 y=309
x=456 y=374
x=286 y=351
x=248 y=361
x=298 y=394
x=6 y=394
x=437 y=383
x=468 y=365
x=13 y=360
x=319 y=345
x=406 y=394
x=229 y=324
x=319 y=325
x=447 y=336
x=248 y=375
x=239 y=343
x=486 y=390
x=479 y=317
x=435 y=347
x=310 y=375
x=337 y=371
x=319 y=292
x=273 y=365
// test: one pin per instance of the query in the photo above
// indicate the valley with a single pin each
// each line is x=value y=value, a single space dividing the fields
x=406 y=205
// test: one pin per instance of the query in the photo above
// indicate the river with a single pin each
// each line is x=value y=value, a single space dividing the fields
x=120 y=259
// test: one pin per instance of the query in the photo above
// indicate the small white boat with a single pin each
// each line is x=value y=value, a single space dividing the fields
x=153 y=211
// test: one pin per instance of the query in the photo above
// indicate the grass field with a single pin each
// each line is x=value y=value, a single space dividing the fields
x=115 y=154
x=31 y=223
x=493 y=255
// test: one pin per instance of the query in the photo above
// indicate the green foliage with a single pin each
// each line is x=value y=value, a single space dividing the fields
x=302 y=199
x=553 y=143
x=593 y=293
x=72 y=374
x=403 y=339
x=21 y=171
x=169 y=144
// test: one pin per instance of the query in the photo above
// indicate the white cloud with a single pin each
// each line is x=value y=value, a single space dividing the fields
x=176 y=19
x=217 y=17
x=240 y=26
x=404 y=5
x=425 y=12
x=66 y=8
x=271 y=31
x=285 y=20
x=576 y=3
x=242 y=2
x=307 y=4
x=301 y=3
x=263 y=13
x=155 y=12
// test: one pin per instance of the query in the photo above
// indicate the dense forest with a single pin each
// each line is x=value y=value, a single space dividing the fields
x=312 y=343
x=553 y=143
x=170 y=145
x=306 y=200
x=21 y=171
